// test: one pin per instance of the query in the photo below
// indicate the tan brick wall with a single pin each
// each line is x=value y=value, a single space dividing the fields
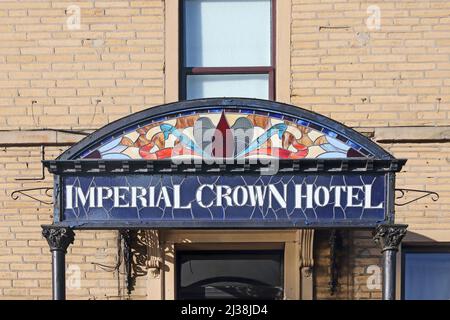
x=356 y=258
x=25 y=261
x=322 y=269
x=394 y=76
x=52 y=77
x=428 y=168
x=364 y=256
x=114 y=64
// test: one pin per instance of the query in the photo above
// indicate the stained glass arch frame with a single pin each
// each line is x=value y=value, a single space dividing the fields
x=279 y=112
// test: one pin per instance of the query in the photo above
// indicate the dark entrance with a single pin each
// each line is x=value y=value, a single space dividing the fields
x=230 y=274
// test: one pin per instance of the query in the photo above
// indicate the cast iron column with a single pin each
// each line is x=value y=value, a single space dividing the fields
x=58 y=239
x=389 y=238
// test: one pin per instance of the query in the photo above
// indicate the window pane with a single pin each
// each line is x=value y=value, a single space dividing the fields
x=229 y=85
x=230 y=274
x=427 y=276
x=227 y=33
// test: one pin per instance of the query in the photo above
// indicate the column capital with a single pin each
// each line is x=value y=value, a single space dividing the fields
x=58 y=238
x=389 y=236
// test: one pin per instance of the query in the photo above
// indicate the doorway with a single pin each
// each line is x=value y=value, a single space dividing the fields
x=230 y=274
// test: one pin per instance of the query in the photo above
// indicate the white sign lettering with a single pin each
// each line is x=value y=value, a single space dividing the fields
x=305 y=196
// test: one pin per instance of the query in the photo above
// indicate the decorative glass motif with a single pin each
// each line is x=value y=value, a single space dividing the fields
x=227 y=133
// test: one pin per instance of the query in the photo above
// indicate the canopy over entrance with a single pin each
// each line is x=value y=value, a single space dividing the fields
x=224 y=163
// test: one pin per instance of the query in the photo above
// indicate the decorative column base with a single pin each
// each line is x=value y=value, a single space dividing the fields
x=389 y=238
x=59 y=240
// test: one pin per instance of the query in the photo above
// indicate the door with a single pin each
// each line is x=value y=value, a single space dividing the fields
x=230 y=274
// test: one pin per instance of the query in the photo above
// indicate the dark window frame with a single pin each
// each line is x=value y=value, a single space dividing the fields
x=187 y=71
x=418 y=248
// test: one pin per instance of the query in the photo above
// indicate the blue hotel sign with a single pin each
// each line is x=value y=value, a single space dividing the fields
x=184 y=200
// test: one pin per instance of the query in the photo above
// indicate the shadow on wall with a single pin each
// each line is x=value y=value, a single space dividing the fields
x=419 y=239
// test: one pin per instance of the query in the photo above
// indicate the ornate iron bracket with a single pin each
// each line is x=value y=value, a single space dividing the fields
x=16 y=194
x=132 y=247
x=434 y=196
x=127 y=238
x=335 y=245
x=115 y=267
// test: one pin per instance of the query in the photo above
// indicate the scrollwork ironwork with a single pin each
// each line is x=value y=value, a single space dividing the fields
x=132 y=252
x=434 y=196
x=16 y=194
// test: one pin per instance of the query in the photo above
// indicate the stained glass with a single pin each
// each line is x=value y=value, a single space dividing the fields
x=227 y=133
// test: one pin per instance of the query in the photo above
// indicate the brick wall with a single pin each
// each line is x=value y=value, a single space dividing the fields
x=428 y=168
x=55 y=78
x=25 y=268
x=394 y=76
x=358 y=265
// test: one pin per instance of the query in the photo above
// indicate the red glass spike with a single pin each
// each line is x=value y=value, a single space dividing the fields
x=223 y=140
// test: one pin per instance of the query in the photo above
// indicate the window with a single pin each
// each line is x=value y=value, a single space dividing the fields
x=426 y=274
x=230 y=274
x=227 y=49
